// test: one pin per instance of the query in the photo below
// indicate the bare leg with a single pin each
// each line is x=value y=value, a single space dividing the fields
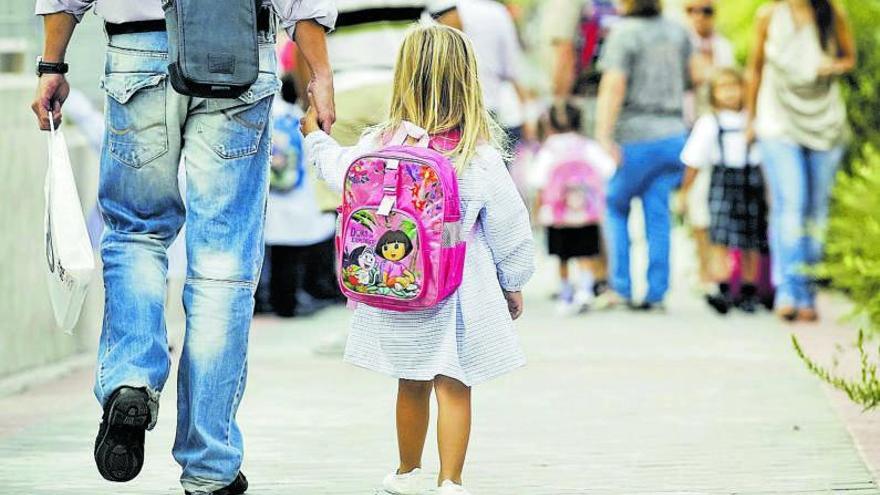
x=704 y=255
x=563 y=271
x=453 y=426
x=750 y=264
x=718 y=263
x=413 y=413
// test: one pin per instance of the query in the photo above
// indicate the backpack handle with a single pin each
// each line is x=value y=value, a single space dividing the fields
x=409 y=130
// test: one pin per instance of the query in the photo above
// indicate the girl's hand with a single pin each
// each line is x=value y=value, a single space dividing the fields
x=751 y=134
x=309 y=123
x=514 y=303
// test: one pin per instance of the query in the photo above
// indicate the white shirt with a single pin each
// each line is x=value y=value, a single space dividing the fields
x=363 y=49
x=702 y=149
x=558 y=147
x=119 y=11
x=491 y=29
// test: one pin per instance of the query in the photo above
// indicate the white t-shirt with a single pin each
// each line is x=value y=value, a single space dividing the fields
x=558 y=147
x=491 y=29
x=703 y=151
x=363 y=49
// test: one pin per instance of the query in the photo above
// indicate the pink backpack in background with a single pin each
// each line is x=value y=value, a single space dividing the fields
x=574 y=195
x=399 y=243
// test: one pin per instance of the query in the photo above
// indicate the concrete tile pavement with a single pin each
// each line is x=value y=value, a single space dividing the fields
x=610 y=403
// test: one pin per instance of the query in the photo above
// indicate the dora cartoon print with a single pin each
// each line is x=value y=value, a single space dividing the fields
x=380 y=255
x=393 y=247
x=361 y=267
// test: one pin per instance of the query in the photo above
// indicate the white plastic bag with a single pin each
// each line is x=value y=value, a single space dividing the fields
x=69 y=255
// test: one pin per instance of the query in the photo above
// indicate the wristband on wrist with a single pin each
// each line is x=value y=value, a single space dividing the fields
x=50 y=67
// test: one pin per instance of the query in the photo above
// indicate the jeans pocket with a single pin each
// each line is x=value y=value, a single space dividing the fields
x=233 y=127
x=136 y=128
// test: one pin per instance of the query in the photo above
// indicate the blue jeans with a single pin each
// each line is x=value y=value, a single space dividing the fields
x=651 y=170
x=800 y=182
x=226 y=148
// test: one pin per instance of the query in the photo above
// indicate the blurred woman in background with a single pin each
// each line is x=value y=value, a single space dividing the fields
x=798 y=115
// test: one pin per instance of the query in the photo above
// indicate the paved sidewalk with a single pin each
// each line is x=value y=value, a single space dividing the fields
x=610 y=403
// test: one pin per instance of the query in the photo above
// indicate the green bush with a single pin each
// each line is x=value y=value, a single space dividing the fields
x=865 y=391
x=852 y=263
x=852 y=252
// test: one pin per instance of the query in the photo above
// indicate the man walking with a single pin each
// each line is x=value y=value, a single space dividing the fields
x=226 y=150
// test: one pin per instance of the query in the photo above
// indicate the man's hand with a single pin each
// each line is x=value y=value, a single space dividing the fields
x=312 y=43
x=52 y=91
x=514 y=303
x=321 y=99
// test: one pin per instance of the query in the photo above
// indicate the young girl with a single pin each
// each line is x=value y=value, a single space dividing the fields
x=572 y=215
x=469 y=337
x=736 y=200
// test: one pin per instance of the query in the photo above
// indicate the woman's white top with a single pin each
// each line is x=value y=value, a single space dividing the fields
x=795 y=104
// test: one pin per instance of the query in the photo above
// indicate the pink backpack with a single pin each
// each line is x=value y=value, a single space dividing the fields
x=575 y=192
x=399 y=244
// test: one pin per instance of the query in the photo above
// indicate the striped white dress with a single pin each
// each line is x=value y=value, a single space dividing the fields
x=469 y=336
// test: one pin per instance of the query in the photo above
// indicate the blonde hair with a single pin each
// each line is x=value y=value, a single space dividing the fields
x=720 y=75
x=437 y=87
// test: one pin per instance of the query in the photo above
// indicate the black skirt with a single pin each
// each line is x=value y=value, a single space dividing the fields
x=575 y=242
x=738 y=208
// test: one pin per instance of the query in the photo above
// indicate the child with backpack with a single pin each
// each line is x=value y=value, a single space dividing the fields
x=737 y=201
x=434 y=245
x=570 y=173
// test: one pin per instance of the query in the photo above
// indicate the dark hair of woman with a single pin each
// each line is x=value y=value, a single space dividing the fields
x=825 y=20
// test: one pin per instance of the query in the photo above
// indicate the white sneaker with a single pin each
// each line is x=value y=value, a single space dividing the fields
x=404 y=484
x=583 y=299
x=450 y=488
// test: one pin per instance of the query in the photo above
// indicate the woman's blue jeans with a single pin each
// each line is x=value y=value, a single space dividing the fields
x=650 y=170
x=800 y=181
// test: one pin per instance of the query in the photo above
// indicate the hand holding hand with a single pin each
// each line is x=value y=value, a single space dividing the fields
x=514 y=303
x=321 y=99
x=52 y=91
x=309 y=123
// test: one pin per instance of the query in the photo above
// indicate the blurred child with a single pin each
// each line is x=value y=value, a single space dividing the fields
x=737 y=201
x=468 y=338
x=299 y=236
x=570 y=173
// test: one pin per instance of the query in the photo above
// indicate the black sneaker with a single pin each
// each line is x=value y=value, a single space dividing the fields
x=238 y=486
x=748 y=299
x=119 y=447
x=648 y=307
x=719 y=302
